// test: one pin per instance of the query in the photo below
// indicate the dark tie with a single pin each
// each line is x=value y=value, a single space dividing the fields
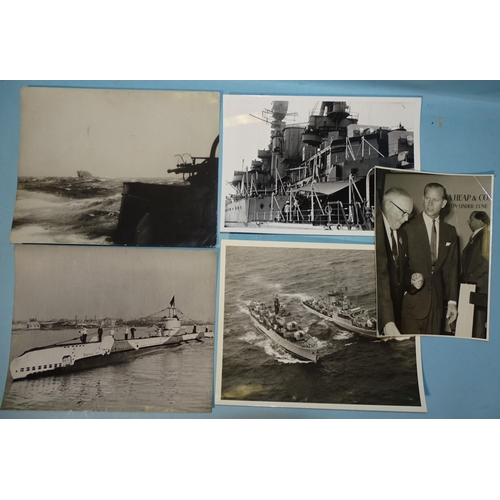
x=433 y=242
x=394 y=248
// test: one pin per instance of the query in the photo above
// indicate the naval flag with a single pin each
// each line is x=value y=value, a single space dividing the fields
x=172 y=302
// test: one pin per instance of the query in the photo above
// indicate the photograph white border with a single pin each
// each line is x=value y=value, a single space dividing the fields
x=228 y=169
x=220 y=337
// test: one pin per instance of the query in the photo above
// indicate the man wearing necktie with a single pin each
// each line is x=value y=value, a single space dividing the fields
x=476 y=266
x=393 y=278
x=433 y=252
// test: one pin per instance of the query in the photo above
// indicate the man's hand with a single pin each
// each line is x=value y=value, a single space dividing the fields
x=417 y=280
x=452 y=313
x=391 y=330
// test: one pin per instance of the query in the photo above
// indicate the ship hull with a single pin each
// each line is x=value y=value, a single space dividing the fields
x=256 y=210
x=341 y=322
x=262 y=213
x=77 y=356
x=167 y=215
x=173 y=214
x=297 y=350
x=301 y=226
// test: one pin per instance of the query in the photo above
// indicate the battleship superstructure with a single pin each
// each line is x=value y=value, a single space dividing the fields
x=317 y=175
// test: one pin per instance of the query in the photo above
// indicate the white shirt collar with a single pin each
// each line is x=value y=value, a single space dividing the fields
x=388 y=229
x=428 y=220
x=476 y=231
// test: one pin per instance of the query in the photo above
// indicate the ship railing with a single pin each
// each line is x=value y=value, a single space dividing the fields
x=334 y=214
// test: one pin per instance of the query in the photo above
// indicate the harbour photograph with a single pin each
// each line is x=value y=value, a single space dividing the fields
x=112 y=329
x=305 y=164
x=117 y=167
x=298 y=328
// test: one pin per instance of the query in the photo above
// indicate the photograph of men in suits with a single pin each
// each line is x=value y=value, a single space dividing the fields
x=393 y=279
x=475 y=266
x=433 y=252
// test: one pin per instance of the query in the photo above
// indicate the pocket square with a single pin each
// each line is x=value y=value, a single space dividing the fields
x=448 y=243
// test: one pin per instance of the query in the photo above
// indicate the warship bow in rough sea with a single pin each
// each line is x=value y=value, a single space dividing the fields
x=182 y=214
x=280 y=327
x=319 y=175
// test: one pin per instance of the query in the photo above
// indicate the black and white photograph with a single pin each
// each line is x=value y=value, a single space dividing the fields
x=117 y=167
x=298 y=328
x=305 y=164
x=112 y=329
x=433 y=245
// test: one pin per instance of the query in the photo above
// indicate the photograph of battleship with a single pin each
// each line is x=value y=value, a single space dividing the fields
x=304 y=164
x=112 y=329
x=117 y=167
x=433 y=276
x=297 y=328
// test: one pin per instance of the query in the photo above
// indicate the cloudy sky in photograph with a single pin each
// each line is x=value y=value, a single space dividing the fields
x=54 y=282
x=113 y=133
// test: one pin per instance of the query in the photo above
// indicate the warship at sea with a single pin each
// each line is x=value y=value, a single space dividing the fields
x=281 y=328
x=343 y=312
x=318 y=176
x=177 y=214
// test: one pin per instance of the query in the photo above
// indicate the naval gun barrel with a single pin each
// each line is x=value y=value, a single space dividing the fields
x=191 y=169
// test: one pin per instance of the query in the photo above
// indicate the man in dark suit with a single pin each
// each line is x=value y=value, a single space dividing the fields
x=433 y=252
x=476 y=266
x=391 y=244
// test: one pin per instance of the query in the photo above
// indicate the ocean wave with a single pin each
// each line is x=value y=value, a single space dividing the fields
x=398 y=339
x=243 y=307
x=41 y=235
x=270 y=348
x=27 y=200
x=342 y=335
x=101 y=202
x=297 y=296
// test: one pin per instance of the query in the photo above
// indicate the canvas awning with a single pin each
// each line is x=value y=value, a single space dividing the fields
x=326 y=188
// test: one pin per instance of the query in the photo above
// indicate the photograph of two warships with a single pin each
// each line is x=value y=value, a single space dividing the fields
x=297 y=328
x=117 y=167
x=296 y=164
x=148 y=346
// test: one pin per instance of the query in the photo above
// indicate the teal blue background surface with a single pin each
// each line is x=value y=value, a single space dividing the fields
x=460 y=126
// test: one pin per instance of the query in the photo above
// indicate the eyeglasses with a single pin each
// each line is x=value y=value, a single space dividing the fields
x=404 y=212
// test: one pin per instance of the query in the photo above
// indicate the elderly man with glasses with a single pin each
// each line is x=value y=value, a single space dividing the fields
x=394 y=279
x=433 y=252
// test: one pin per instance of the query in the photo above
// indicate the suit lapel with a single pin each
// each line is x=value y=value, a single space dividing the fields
x=423 y=236
x=443 y=240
